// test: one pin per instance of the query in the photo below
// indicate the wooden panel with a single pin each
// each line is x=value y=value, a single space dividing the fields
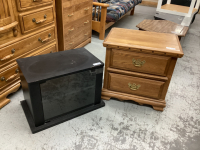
x=24 y=46
x=153 y=64
x=77 y=26
x=27 y=23
x=151 y=41
x=178 y=8
x=29 y=3
x=10 y=75
x=77 y=11
x=147 y=87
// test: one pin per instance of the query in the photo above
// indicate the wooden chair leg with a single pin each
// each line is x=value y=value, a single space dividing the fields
x=132 y=11
x=103 y=23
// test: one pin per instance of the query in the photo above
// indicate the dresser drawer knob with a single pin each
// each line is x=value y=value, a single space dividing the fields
x=138 y=62
x=9 y=56
x=86 y=22
x=134 y=86
x=71 y=29
x=40 y=21
x=45 y=40
x=70 y=15
x=86 y=9
x=86 y=34
x=2 y=78
x=11 y=77
x=71 y=43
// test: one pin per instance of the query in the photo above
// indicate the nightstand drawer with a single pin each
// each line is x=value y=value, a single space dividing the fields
x=34 y=20
x=9 y=75
x=140 y=62
x=135 y=85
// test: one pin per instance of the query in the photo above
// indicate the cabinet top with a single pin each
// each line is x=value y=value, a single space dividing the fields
x=160 y=43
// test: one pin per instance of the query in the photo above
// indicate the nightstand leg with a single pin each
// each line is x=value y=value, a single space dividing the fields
x=157 y=108
x=105 y=97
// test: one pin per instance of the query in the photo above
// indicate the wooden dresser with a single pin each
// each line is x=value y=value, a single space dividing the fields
x=139 y=65
x=27 y=28
x=74 y=21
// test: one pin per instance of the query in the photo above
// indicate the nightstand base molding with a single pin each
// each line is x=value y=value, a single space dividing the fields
x=157 y=104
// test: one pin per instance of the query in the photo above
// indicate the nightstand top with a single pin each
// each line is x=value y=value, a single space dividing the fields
x=158 y=43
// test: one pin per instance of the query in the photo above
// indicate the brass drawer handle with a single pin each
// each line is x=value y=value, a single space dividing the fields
x=86 y=34
x=40 y=21
x=71 y=43
x=86 y=9
x=11 y=77
x=134 y=86
x=71 y=29
x=86 y=22
x=70 y=15
x=138 y=62
x=9 y=56
x=45 y=40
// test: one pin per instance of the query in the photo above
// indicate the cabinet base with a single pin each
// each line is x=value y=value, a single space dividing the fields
x=57 y=120
x=157 y=104
x=3 y=96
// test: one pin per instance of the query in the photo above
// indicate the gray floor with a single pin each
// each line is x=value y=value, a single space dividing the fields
x=121 y=125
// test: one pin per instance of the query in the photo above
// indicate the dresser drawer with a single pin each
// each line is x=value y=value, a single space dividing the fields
x=77 y=38
x=16 y=50
x=77 y=11
x=36 y=19
x=139 y=62
x=48 y=50
x=9 y=75
x=77 y=26
x=27 y=4
x=135 y=85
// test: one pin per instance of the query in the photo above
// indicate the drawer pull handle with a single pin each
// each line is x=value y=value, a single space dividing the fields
x=9 y=56
x=70 y=15
x=45 y=40
x=134 y=86
x=86 y=22
x=71 y=29
x=86 y=34
x=138 y=62
x=11 y=77
x=86 y=9
x=71 y=43
x=40 y=21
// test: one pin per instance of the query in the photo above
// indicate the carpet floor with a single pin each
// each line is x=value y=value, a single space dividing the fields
x=121 y=125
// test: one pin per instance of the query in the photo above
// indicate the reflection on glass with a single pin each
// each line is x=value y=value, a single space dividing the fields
x=68 y=93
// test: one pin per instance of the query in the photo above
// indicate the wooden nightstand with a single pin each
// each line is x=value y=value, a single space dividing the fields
x=139 y=65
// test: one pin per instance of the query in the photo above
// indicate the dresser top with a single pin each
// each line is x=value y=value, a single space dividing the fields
x=162 y=43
